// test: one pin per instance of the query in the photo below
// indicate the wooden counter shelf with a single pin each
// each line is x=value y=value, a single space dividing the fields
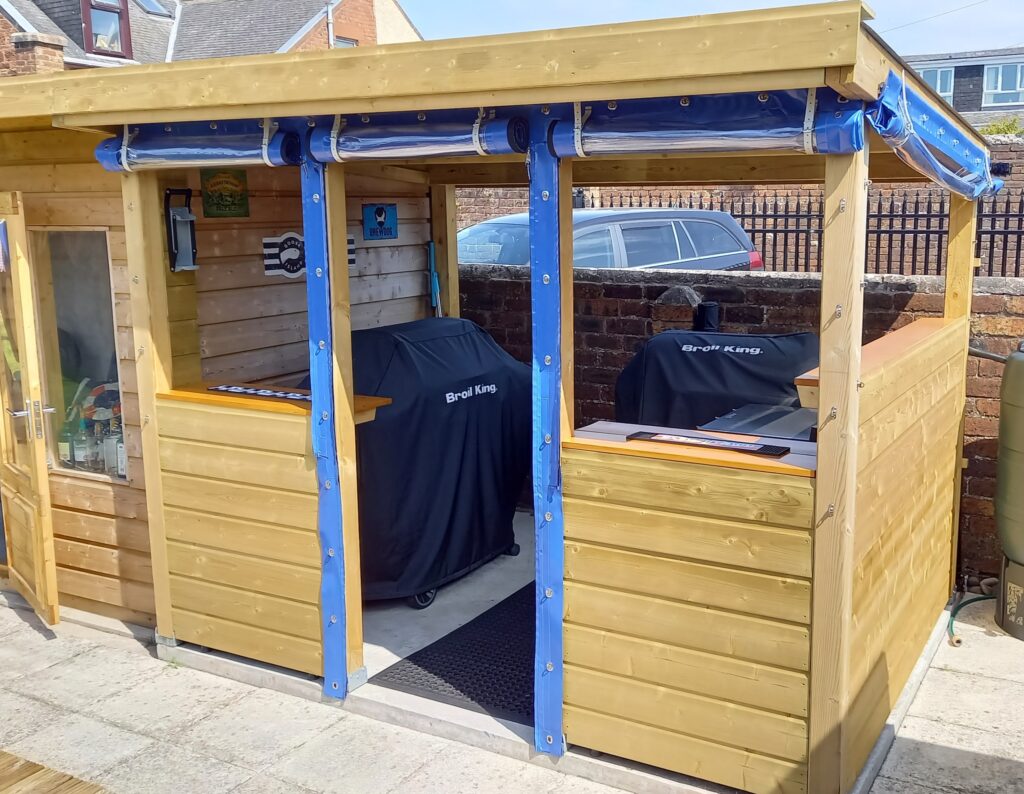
x=365 y=406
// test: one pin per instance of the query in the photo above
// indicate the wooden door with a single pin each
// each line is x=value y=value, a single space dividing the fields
x=24 y=488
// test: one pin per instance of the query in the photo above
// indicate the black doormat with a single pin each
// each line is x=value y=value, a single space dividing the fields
x=486 y=665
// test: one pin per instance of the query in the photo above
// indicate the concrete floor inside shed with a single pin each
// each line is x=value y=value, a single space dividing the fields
x=392 y=630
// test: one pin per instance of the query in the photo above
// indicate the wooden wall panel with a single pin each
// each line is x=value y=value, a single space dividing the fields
x=909 y=433
x=252 y=327
x=687 y=635
x=240 y=511
x=100 y=528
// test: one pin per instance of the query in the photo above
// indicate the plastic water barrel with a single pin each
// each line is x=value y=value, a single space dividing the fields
x=1010 y=473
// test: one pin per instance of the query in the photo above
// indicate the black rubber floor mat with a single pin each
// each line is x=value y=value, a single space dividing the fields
x=486 y=665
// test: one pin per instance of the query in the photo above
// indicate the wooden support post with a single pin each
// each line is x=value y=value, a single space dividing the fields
x=344 y=416
x=444 y=233
x=568 y=305
x=842 y=301
x=147 y=267
x=960 y=266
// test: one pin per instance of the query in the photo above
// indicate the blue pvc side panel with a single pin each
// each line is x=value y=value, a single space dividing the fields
x=926 y=139
x=545 y=293
x=318 y=297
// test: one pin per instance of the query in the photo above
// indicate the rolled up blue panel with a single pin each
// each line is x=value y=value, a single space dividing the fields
x=776 y=120
x=925 y=137
x=232 y=143
x=386 y=140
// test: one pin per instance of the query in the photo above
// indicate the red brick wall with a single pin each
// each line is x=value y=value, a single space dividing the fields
x=6 y=47
x=353 y=19
x=617 y=310
x=24 y=53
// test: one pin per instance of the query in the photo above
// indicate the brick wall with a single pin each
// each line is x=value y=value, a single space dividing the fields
x=617 y=310
x=353 y=19
x=6 y=46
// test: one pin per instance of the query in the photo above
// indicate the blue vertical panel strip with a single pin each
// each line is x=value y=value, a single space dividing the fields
x=318 y=299
x=547 y=476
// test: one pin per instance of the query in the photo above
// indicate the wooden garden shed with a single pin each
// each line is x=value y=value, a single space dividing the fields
x=744 y=620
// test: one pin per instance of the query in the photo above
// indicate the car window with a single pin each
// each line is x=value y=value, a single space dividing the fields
x=594 y=249
x=712 y=239
x=495 y=244
x=685 y=246
x=649 y=244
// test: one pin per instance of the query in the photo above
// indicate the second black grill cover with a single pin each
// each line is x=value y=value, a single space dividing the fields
x=442 y=467
x=687 y=378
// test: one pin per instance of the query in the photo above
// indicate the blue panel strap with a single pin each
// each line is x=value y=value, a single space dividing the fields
x=547 y=475
x=318 y=298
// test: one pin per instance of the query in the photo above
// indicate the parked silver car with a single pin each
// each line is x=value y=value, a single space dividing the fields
x=650 y=239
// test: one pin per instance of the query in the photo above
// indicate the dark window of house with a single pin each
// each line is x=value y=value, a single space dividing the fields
x=342 y=43
x=106 y=27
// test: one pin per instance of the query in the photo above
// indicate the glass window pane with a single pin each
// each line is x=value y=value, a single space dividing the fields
x=929 y=75
x=649 y=244
x=106 y=30
x=991 y=78
x=712 y=239
x=495 y=244
x=80 y=352
x=16 y=449
x=946 y=81
x=594 y=249
x=686 y=250
x=1008 y=77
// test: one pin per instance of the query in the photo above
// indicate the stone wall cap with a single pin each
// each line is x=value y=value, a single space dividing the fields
x=47 y=39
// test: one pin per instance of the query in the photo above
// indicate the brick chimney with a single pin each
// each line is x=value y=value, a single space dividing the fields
x=36 y=53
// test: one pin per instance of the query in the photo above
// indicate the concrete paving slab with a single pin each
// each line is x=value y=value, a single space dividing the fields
x=241 y=733
x=169 y=769
x=955 y=758
x=971 y=700
x=26 y=651
x=885 y=785
x=21 y=716
x=262 y=784
x=88 y=677
x=986 y=649
x=358 y=755
x=80 y=746
x=170 y=700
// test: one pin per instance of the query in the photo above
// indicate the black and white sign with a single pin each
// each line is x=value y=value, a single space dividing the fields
x=284 y=255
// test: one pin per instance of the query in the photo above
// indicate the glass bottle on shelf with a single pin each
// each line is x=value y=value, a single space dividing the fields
x=96 y=448
x=65 y=444
x=80 y=446
x=110 y=447
x=122 y=456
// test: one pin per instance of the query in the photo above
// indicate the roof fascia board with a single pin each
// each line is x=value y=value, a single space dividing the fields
x=305 y=30
x=919 y=63
x=17 y=17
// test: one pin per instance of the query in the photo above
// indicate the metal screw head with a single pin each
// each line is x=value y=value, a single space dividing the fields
x=762 y=97
x=549 y=739
x=421 y=116
x=213 y=125
x=168 y=128
x=549 y=593
x=334 y=618
x=549 y=667
x=334 y=684
x=365 y=119
x=330 y=552
x=611 y=106
x=546 y=278
x=547 y=438
x=545 y=195
x=328 y=484
x=310 y=123
x=547 y=359
x=545 y=110
x=316 y=198
x=548 y=517
x=685 y=101
x=319 y=272
x=135 y=279
x=321 y=344
x=325 y=416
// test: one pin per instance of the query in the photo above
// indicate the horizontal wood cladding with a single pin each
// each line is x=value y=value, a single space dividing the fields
x=687 y=616
x=240 y=509
x=252 y=327
x=910 y=425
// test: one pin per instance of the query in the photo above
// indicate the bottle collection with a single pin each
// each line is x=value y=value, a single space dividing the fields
x=95 y=446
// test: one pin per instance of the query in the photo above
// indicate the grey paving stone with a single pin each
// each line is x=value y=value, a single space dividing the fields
x=261 y=784
x=972 y=700
x=260 y=728
x=80 y=746
x=884 y=785
x=26 y=651
x=168 y=769
x=173 y=698
x=357 y=756
x=956 y=758
x=986 y=650
x=21 y=716
x=86 y=678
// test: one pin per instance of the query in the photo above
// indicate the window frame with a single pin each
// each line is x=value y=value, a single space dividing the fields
x=618 y=255
x=997 y=69
x=347 y=43
x=670 y=222
x=119 y=7
x=939 y=71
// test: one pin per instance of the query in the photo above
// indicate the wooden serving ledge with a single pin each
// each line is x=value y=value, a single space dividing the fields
x=879 y=356
x=365 y=406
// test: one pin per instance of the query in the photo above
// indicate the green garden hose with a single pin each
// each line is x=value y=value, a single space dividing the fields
x=954 y=640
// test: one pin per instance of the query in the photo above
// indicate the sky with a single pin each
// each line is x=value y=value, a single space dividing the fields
x=911 y=27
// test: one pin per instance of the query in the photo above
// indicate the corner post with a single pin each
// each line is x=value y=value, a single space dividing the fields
x=333 y=622
x=842 y=303
x=146 y=245
x=546 y=291
x=444 y=233
x=959 y=289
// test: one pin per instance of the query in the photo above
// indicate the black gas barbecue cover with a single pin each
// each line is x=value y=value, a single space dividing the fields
x=686 y=378
x=442 y=467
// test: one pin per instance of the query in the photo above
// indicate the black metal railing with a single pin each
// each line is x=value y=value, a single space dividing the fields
x=907 y=229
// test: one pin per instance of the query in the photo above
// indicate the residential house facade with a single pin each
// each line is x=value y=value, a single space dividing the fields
x=51 y=35
x=984 y=85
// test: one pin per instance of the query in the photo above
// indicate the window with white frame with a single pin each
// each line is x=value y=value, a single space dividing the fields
x=1004 y=84
x=941 y=81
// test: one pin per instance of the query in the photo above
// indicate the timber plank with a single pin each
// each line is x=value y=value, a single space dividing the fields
x=287 y=508
x=236 y=427
x=244 y=572
x=273 y=470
